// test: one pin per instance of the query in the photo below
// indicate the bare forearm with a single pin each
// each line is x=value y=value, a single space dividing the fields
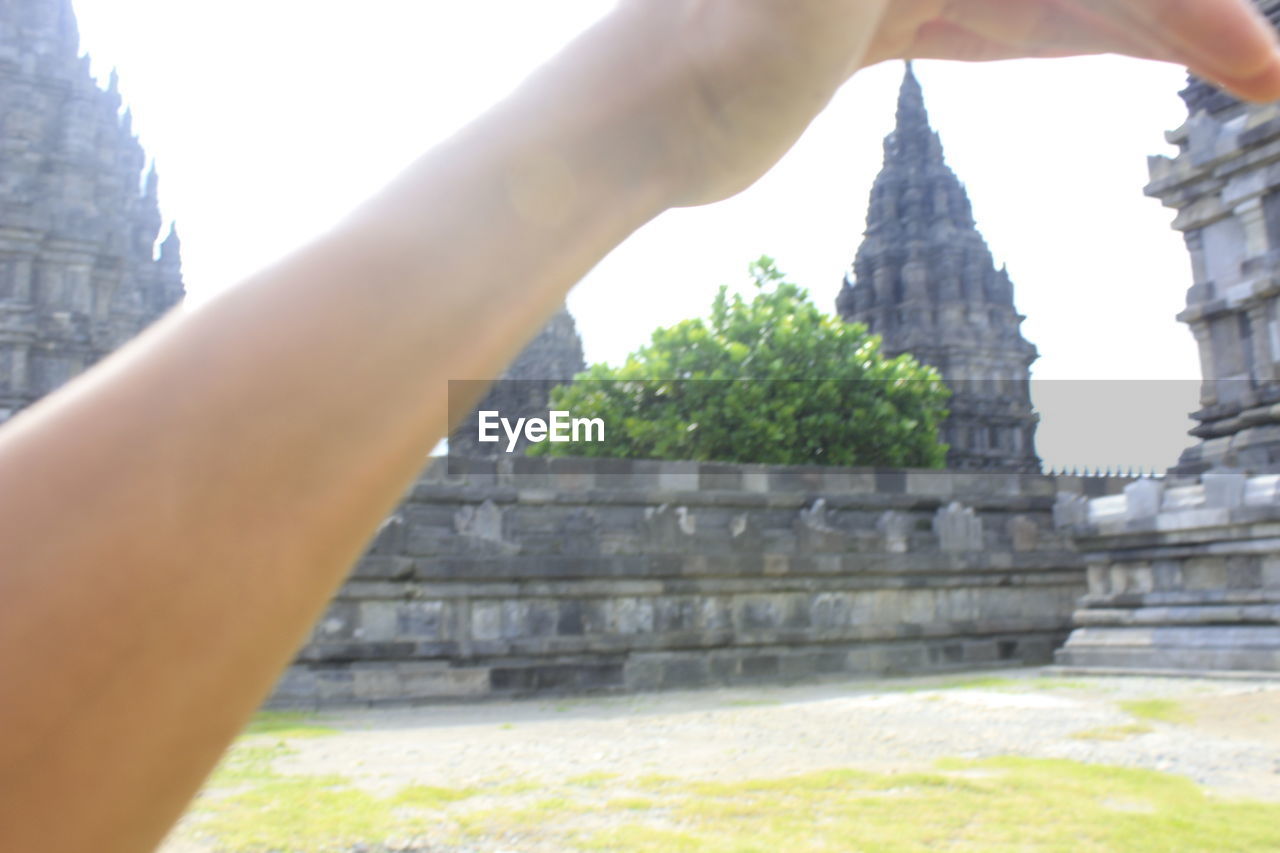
x=174 y=522
x=171 y=524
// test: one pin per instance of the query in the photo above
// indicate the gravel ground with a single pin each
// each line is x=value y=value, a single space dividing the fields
x=1230 y=744
x=1227 y=738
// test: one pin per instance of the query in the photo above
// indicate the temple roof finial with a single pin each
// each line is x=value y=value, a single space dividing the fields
x=912 y=115
x=171 y=248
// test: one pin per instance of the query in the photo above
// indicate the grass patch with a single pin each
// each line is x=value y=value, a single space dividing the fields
x=631 y=804
x=1157 y=710
x=311 y=813
x=247 y=762
x=991 y=805
x=996 y=805
x=639 y=837
x=518 y=787
x=546 y=816
x=287 y=724
x=1005 y=804
x=1123 y=732
x=592 y=780
x=1057 y=684
x=431 y=797
x=656 y=782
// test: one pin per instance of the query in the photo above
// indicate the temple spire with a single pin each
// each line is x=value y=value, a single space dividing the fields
x=913 y=118
x=171 y=248
x=913 y=141
x=925 y=281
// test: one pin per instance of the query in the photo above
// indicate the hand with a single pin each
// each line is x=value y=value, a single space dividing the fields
x=1225 y=41
x=756 y=72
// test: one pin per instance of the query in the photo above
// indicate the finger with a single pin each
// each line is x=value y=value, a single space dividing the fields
x=1260 y=87
x=1047 y=28
x=983 y=37
x=1225 y=39
x=1000 y=29
x=945 y=40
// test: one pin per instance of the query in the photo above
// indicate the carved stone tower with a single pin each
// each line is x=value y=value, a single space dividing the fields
x=924 y=280
x=79 y=273
x=1225 y=185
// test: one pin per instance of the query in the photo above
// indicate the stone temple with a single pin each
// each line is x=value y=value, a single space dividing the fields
x=544 y=576
x=1225 y=186
x=924 y=280
x=1184 y=572
x=79 y=270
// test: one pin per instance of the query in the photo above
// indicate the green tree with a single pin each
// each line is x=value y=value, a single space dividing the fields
x=766 y=380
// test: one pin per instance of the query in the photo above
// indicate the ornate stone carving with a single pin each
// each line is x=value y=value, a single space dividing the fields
x=958 y=528
x=895 y=527
x=924 y=280
x=816 y=517
x=1143 y=498
x=1025 y=533
x=79 y=271
x=480 y=522
x=1225 y=185
x=1070 y=510
x=666 y=521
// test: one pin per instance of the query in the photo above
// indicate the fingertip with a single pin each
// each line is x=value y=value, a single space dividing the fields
x=1263 y=87
x=1231 y=41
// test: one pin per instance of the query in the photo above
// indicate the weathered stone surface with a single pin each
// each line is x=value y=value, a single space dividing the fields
x=519 y=591
x=1181 y=574
x=958 y=528
x=79 y=272
x=1143 y=499
x=1025 y=533
x=924 y=280
x=1193 y=586
x=1225 y=185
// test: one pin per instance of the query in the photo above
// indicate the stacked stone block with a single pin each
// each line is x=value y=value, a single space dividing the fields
x=1184 y=575
x=1225 y=185
x=1180 y=578
x=526 y=576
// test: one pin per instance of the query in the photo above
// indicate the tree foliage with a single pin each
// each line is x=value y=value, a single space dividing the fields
x=770 y=380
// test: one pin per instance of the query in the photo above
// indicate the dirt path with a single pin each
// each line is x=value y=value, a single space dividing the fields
x=581 y=765
x=1223 y=735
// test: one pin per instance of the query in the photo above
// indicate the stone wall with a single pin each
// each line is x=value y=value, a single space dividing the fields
x=526 y=576
x=1184 y=578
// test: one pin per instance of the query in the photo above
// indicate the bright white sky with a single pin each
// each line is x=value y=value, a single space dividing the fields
x=269 y=119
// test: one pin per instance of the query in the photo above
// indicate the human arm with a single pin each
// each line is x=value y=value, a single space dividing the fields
x=171 y=524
